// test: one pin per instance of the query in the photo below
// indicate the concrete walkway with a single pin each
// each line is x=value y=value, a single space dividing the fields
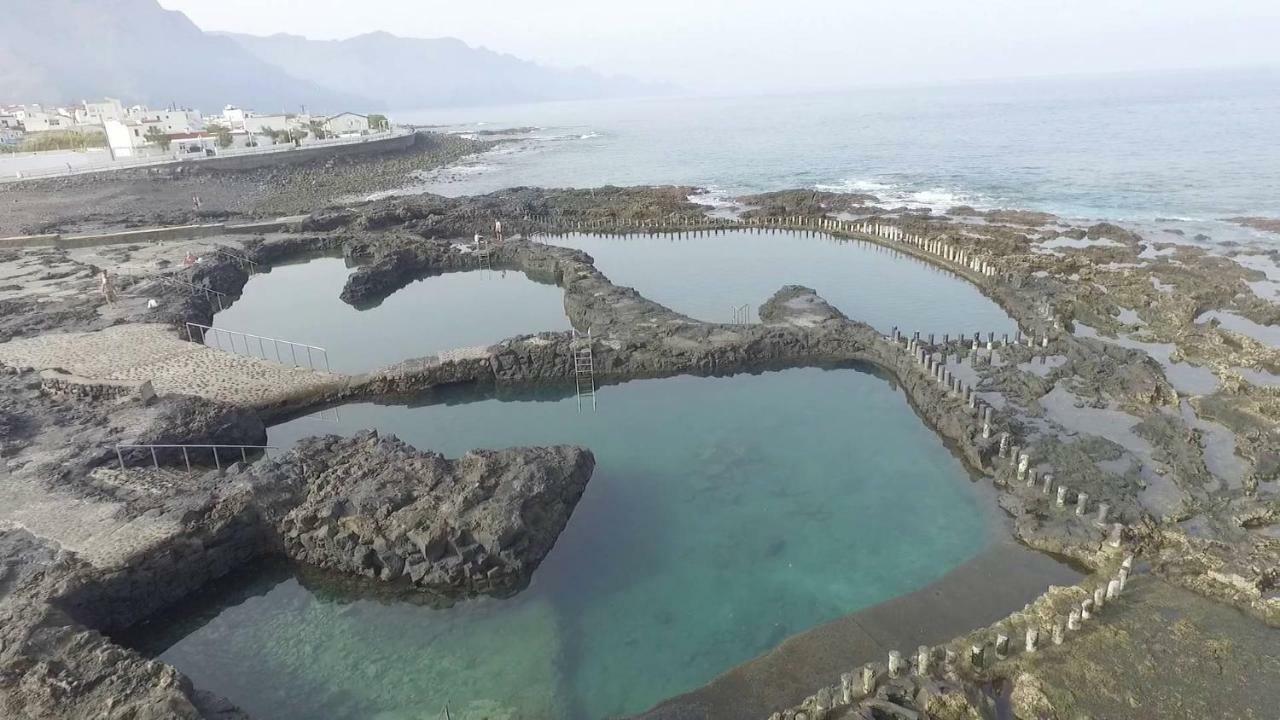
x=143 y=352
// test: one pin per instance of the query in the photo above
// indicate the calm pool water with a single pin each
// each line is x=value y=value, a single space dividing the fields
x=705 y=276
x=725 y=514
x=299 y=302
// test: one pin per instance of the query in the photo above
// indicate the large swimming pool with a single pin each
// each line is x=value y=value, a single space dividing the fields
x=725 y=515
x=706 y=275
x=299 y=302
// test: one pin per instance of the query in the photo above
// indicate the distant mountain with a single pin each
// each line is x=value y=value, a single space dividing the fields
x=63 y=51
x=419 y=73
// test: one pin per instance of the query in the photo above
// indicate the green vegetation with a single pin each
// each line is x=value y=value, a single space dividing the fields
x=57 y=140
x=157 y=136
x=318 y=131
x=222 y=132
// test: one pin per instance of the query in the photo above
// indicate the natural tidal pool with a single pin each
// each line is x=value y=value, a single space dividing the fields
x=705 y=275
x=300 y=302
x=724 y=515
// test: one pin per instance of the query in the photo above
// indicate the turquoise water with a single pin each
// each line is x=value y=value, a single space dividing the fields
x=704 y=276
x=725 y=515
x=299 y=302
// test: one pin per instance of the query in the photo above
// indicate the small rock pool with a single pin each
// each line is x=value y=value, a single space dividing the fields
x=725 y=514
x=299 y=302
x=706 y=275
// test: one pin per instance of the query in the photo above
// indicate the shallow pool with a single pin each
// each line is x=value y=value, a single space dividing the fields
x=299 y=302
x=725 y=514
x=706 y=275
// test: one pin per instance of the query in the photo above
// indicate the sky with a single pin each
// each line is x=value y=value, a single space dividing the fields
x=732 y=46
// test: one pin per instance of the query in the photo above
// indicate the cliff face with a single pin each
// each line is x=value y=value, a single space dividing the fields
x=431 y=72
x=63 y=51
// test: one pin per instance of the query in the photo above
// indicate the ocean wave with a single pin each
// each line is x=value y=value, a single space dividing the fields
x=938 y=199
x=589 y=136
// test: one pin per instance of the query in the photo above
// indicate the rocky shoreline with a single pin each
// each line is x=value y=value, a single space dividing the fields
x=1071 y=486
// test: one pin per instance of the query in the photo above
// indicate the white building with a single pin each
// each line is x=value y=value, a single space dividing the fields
x=258 y=124
x=233 y=117
x=36 y=120
x=9 y=122
x=95 y=113
x=347 y=124
x=125 y=139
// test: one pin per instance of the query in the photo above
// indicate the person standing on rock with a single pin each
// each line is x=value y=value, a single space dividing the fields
x=107 y=287
x=497 y=229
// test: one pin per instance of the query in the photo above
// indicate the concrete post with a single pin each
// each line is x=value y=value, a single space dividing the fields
x=1004 y=444
x=1059 y=632
x=1113 y=589
x=822 y=702
x=1048 y=484
x=1117 y=535
x=976 y=653
x=895 y=663
x=949 y=659
x=1104 y=509
x=1127 y=563
x=1024 y=463
x=1062 y=495
x=1122 y=576
x=1073 y=619
x=1082 y=503
x=868 y=680
x=1032 y=478
x=986 y=414
x=1099 y=598
x=1033 y=639
x=923 y=660
x=986 y=430
x=931 y=338
x=1002 y=645
x=1086 y=609
x=847 y=693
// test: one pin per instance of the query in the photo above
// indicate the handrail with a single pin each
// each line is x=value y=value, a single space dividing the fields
x=262 y=339
x=186 y=456
x=242 y=259
x=208 y=291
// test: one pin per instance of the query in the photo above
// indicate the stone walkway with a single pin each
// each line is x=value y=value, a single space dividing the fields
x=154 y=352
x=102 y=532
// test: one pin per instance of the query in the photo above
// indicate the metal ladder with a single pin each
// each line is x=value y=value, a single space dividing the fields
x=741 y=314
x=484 y=251
x=584 y=368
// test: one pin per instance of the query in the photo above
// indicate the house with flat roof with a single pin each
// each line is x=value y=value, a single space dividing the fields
x=347 y=123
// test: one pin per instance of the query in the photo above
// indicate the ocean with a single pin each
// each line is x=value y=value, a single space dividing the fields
x=1187 y=148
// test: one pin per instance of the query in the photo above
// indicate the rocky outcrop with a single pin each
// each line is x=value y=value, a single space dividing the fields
x=376 y=507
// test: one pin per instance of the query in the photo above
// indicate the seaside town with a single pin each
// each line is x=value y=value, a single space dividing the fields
x=137 y=131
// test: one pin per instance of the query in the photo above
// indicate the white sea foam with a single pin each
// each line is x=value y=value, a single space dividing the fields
x=938 y=199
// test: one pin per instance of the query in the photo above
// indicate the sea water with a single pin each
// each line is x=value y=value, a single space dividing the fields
x=706 y=276
x=724 y=515
x=300 y=302
x=1178 y=145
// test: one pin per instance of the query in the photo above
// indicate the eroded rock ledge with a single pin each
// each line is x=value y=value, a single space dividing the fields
x=377 y=507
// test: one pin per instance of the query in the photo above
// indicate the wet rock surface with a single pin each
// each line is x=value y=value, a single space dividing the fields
x=376 y=507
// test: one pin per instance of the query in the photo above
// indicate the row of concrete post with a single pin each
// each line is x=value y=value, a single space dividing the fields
x=856 y=686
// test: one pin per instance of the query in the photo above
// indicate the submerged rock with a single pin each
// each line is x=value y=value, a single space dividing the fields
x=482 y=523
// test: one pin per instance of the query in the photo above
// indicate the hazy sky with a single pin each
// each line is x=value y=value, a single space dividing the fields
x=744 y=45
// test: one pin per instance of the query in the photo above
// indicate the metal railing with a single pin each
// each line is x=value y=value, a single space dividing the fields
x=244 y=260
x=186 y=452
x=247 y=340
x=209 y=293
x=741 y=314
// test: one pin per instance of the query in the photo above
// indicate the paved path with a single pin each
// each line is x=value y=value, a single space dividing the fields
x=153 y=352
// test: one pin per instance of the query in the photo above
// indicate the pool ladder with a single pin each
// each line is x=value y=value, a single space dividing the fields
x=484 y=251
x=584 y=368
